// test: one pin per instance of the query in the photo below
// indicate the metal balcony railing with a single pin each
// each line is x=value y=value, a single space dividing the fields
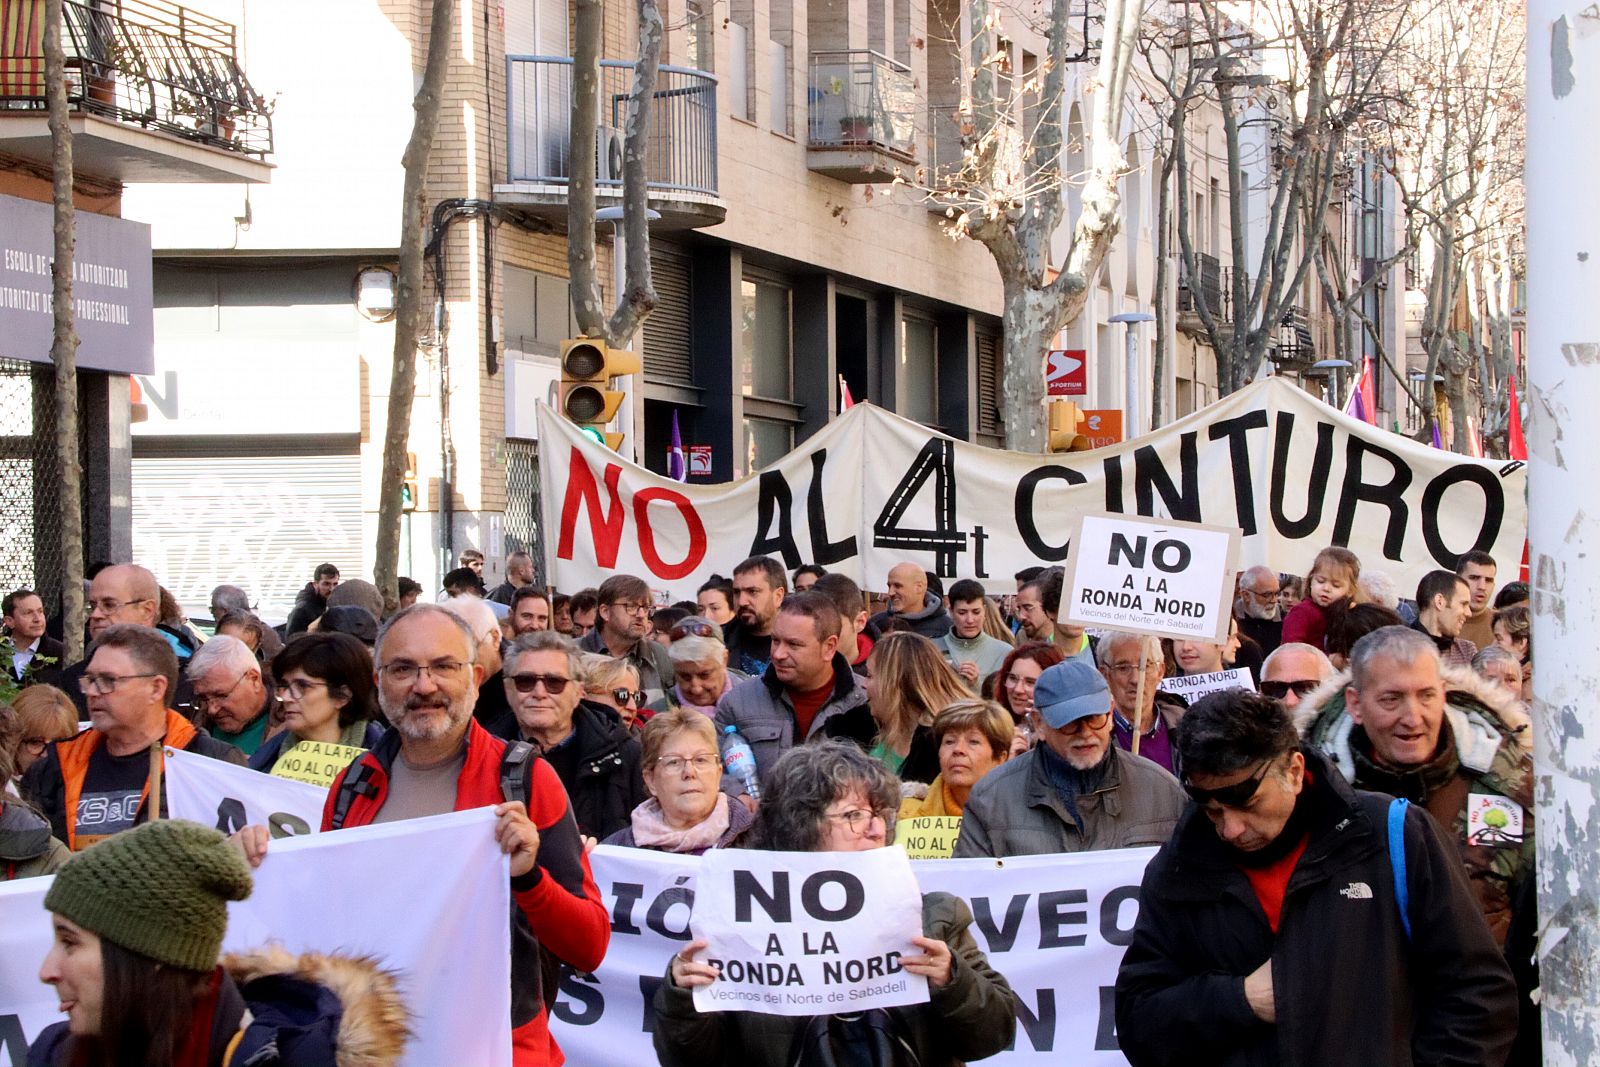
x=949 y=130
x=682 y=154
x=861 y=98
x=1206 y=282
x=1297 y=342
x=148 y=63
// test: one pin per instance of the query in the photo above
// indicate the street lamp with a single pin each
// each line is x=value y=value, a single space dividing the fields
x=1330 y=368
x=1131 y=373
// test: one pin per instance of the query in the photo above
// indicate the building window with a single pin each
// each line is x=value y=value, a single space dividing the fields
x=698 y=30
x=919 y=364
x=765 y=442
x=766 y=341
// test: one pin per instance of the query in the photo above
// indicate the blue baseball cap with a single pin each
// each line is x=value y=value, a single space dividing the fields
x=1071 y=690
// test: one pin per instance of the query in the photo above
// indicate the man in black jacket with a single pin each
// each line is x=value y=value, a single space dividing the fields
x=1270 y=929
x=585 y=743
x=313 y=599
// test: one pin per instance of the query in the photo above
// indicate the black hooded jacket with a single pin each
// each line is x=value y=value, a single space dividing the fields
x=1351 y=990
x=599 y=765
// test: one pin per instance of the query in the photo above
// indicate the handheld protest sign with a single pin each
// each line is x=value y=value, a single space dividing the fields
x=1150 y=576
x=808 y=933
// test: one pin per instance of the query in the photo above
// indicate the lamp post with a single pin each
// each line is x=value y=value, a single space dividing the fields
x=1131 y=398
x=630 y=415
x=1330 y=369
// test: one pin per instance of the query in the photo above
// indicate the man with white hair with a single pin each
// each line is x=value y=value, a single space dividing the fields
x=480 y=619
x=230 y=692
x=227 y=599
x=1293 y=672
x=1118 y=656
x=1256 y=608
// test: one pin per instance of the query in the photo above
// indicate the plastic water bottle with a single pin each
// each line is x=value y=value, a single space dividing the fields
x=739 y=761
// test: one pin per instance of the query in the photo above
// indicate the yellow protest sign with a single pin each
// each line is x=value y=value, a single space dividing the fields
x=928 y=837
x=316 y=762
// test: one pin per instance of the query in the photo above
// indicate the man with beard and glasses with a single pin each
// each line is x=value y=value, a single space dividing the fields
x=1074 y=791
x=1271 y=930
x=436 y=759
x=1256 y=609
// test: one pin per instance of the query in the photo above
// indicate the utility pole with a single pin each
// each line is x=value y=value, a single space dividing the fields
x=1563 y=221
x=1134 y=381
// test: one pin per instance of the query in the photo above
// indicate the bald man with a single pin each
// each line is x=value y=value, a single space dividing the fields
x=912 y=605
x=125 y=592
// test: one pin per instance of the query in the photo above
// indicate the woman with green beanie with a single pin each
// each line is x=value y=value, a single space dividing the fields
x=139 y=921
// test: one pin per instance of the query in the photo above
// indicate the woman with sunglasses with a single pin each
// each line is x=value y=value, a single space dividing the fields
x=615 y=683
x=327 y=694
x=687 y=812
x=596 y=757
x=829 y=796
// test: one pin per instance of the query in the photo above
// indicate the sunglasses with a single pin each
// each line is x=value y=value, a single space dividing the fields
x=1236 y=795
x=694 y=626
x=1278 y=690
x=628 y=696
x=553 y=684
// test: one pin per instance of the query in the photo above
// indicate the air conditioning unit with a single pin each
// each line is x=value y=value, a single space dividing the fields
x=608 y=154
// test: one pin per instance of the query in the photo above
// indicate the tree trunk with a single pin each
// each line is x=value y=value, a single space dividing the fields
x=588 y=300
x=409 y=308
x=64 y=337
x=1163 y=349
x=638 y=297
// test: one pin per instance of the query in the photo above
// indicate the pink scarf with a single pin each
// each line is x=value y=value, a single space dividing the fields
x=707 y=710
x=650 y=829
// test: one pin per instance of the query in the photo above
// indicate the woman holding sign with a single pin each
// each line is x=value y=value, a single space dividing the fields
x=329 y=702
x=829 y=796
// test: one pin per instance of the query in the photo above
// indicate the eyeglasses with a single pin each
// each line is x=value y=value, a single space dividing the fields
x=35 y=743
x=205 y=700
x=631 y=609
x=628 y=696
x=1236 y=795
x=1128 y=670
x=1262 y=598
x=554 y=684
x=110 y=606
x=860 y=819
x=300 y=687
x=1088 y=722
x=405 y=672
x=700 y=764
x=694 y=626
x=106 y=684
x=1278 y=690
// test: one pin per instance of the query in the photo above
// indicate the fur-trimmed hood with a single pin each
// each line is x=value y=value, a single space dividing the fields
x=373 y=1023
x=1482 y=716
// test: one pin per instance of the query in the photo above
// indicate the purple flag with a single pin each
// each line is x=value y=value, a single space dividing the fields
x=677 y=460
x=1438 y=442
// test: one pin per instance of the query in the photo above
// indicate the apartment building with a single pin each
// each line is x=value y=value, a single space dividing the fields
x=157 y=94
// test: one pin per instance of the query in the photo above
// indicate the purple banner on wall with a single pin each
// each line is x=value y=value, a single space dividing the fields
x=110 y=290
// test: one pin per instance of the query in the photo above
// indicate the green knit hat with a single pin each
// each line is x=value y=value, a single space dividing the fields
x=160 y=889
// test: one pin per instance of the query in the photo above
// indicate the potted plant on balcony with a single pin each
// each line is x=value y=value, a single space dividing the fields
x=856 y=127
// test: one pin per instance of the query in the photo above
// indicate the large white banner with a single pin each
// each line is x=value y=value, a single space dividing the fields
x=873 y=489
x=430 y=898
x=227 y=797
x=1055 y=926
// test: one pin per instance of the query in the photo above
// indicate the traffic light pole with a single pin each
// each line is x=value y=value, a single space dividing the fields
x=1563 y=225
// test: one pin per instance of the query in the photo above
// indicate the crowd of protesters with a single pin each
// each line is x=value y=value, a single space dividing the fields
x=1272 y=928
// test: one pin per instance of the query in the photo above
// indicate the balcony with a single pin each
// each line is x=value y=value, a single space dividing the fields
x=680 y=165
x=1298 y=336
x=863 y=117
x=156 y=91
x=1204 y=285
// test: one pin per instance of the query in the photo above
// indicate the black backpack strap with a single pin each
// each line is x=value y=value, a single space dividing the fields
x=515 y=767
x=357 y=783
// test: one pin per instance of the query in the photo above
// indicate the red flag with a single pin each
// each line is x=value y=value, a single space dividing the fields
x=846 y=401
x=1516 y=444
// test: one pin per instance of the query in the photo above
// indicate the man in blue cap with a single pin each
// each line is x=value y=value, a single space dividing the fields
x=1074 y=791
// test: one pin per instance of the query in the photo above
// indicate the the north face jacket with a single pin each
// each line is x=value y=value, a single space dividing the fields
x=1479 y=785
x=1350 y=989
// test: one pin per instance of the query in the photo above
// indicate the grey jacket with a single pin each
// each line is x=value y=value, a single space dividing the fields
x=1016 y=811
x=989 y=653
x=648 y=658
x=764 y=713
x=931 y=620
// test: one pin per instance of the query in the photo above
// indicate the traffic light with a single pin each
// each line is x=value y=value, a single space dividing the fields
x=587 y=366
x=408 y=485
x=1065 y=419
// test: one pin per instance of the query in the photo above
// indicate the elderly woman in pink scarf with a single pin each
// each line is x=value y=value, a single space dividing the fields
x=687 y=811
x=699 y=666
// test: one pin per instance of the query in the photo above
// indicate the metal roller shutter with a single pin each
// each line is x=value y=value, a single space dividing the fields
x=668 y=354
x=989 y=384
x=259 y=522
